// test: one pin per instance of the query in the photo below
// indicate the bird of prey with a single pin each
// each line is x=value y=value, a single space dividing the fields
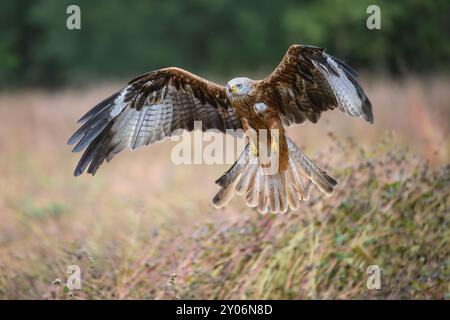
x=153 y=106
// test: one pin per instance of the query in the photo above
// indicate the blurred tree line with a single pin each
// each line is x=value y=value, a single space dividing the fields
x=223 y=38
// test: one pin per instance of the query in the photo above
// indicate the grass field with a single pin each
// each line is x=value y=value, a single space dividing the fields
x=144 y=227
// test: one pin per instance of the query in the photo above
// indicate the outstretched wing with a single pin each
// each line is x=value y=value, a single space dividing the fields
x=151 y=108
x=308 y=81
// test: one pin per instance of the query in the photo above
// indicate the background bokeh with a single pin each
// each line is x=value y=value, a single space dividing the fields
x=220 y=38
x=144 y=227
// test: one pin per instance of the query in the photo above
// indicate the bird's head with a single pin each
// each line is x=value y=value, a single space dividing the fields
x=240 y=87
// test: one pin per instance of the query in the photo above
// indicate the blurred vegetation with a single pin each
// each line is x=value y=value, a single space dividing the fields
x=321 y=252
x=121 y=39
x=391 y=210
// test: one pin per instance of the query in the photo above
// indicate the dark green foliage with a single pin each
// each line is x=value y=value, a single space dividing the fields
x=120 y=39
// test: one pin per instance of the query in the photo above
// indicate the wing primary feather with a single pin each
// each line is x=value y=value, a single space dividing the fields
x=346 y=67
x=88 y=126
x=99 y=107
x=87 y=156
x=150 y=109
x=310 y=82
x=138 y=127
x=91 y=135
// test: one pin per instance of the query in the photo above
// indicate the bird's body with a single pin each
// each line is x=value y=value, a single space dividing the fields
x=153 y=106
x=260 y=117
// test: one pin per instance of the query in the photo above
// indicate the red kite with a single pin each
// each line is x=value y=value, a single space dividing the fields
x=153 y=106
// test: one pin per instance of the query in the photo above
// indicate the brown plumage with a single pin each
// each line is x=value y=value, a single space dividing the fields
x=155 y=105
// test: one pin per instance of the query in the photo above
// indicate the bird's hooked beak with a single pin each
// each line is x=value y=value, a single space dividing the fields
x=231 y=88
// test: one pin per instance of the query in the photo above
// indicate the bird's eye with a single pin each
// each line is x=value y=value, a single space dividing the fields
x=239 y=86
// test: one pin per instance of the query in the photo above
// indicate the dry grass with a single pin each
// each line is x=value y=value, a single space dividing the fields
x=144 y=228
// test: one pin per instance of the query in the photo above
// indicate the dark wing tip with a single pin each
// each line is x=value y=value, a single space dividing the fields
x=72 y=140
x=307 y=46
x=221 y=181
x=216 y=200
x=106 y=103
x=331 y=181
x=79 y=172
x=345 y=67
x=367 y=109
x=78 y=148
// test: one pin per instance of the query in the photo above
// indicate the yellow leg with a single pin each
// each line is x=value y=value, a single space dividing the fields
x=274 y=146
x=253 y=149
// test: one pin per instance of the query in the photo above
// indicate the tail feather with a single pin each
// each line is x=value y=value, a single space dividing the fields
x=251 y=197
x=246 y=179
x=225 y=195
x=278 y=192
x=263 y=194
x=235 y=169
x=319 y=177
x=291 y=197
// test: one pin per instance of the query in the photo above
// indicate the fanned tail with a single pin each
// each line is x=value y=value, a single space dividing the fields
x=275 y=193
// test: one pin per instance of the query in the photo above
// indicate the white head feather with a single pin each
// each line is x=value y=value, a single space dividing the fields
x=239 y=87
